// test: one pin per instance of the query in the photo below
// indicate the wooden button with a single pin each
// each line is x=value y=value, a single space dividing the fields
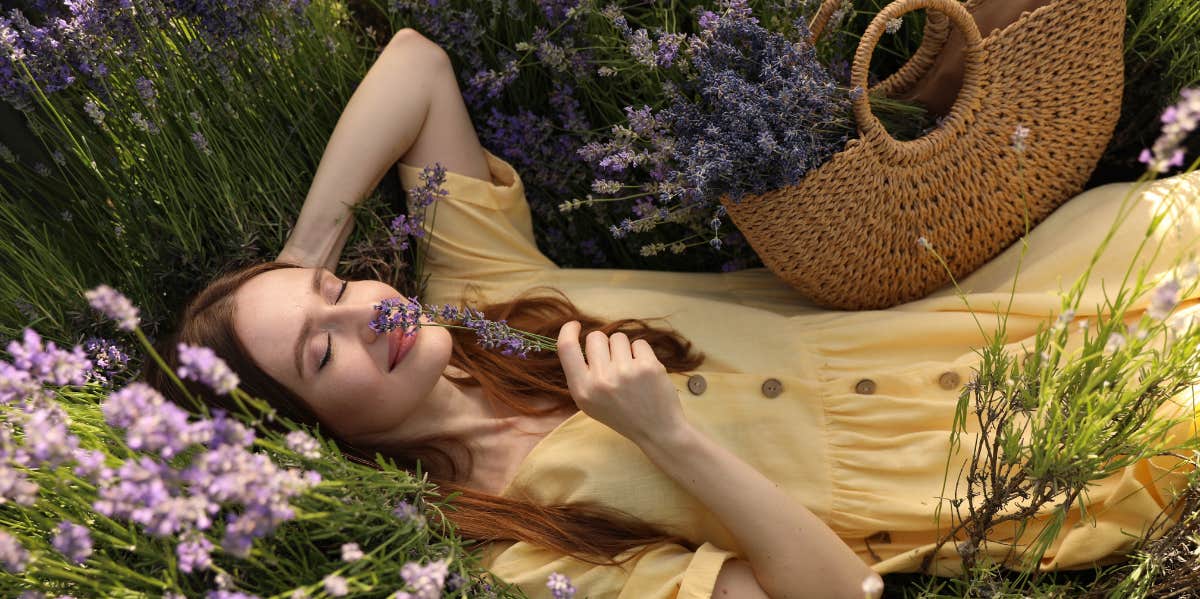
x=697 y=384
x=865 y=386
x=772 y=388
x=949 y=380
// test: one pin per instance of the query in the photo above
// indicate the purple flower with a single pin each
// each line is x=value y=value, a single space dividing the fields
x=303 y=444
x=1019 y=137
x=227 y=594
x=73 y=541
x=49 y=442
x=89 y=464
x=560 y=586
x=428 y=580
x=193 y=552
x=15 y=487
x=16 y=384
x=351 y=552
x=145 y=89
x=335 y=585
x=201 y=143
x=93 y=110
x=48 y=364
x=395 y=314
x=1164 y=299
x=12 y=554
x=108 y=360
x=1179 y=121
x=202 y=364
x=409 y=512
x=112 y=304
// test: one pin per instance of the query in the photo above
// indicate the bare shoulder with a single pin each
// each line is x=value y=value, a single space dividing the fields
x=736 y=580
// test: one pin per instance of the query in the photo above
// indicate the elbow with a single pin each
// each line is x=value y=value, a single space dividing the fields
x=872 y=587
x=411 y=40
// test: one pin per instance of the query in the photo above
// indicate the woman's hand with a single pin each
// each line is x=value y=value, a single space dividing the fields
x=621 y=385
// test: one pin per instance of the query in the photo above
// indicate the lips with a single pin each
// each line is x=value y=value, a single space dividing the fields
x=398 y=346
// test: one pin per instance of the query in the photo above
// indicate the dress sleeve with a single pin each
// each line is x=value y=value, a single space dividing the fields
x=667 y=571
x=481 y=230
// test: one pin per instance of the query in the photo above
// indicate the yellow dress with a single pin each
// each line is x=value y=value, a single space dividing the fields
x=849 y=411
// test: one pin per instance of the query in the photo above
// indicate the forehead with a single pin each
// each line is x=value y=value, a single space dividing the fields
x=269 y=310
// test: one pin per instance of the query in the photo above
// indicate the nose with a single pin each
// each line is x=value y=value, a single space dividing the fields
x=354 y=317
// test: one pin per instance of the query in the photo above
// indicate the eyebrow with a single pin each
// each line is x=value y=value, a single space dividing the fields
x=306 y=328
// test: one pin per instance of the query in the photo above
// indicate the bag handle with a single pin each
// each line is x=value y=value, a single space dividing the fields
x=873 y=131
x=937 y=32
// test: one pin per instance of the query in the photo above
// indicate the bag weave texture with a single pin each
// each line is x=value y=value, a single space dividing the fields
x=846 y=235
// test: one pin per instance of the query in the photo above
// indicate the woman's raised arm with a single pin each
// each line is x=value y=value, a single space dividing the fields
x=382 y=120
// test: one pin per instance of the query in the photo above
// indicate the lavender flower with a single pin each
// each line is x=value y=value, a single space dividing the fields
x=303 y=444
x=351 y=552
x=108 y=360
x=560 y=586
x=1179 y=121
x=335 y=585
x=15 y=487
x=407 y=511
x=1019 y=137
x=145 y=89
x=7 y=155
x=428 y=580
x=89 y=464
x=48 y=363
x=201 y=143
x=49 y=442
x=73 y=541
x=16 y=384
x=152 y=423
x=419 y=197
x=1164 y=299
x=93 y=110
x=227 y=594
x=12 y=554
x=396 y=314
x=748 y=111
x=202 y=364
x=112 y=304
x=194 y=552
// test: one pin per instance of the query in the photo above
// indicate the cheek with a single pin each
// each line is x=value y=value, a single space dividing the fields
x=352 y=405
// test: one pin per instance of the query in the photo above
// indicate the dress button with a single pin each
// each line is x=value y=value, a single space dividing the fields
x=772 y=388
x=949 y=380
x=697 y=384
x=865 y=386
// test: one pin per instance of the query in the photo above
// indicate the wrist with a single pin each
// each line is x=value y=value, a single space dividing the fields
x=674 y=440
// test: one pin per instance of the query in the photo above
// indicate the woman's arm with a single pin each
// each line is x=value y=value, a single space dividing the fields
x=791 y=551
x=385 y=118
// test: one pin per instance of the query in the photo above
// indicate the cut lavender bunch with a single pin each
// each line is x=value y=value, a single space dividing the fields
x=394 y=313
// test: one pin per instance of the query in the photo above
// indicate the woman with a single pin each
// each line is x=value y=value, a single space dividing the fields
x=802 y=454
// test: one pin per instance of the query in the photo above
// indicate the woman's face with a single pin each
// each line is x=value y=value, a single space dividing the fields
x=353 y=393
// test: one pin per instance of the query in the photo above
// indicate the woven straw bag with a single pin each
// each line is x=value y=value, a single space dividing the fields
x=846 y=236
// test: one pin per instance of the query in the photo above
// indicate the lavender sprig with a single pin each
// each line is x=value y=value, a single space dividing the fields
x=397 y=314
x=1179 y=121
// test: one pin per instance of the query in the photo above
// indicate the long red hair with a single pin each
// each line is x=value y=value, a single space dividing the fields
x=582 y=530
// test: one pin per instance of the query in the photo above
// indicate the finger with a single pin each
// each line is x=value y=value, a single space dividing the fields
x=618 y=346
x=570 y=355
x=642 y=350
x=597 y=352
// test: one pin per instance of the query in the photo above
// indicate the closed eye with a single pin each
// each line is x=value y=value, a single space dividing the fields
x=329 y=336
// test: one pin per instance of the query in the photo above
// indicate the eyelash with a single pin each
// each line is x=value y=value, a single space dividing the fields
x=329 y=347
